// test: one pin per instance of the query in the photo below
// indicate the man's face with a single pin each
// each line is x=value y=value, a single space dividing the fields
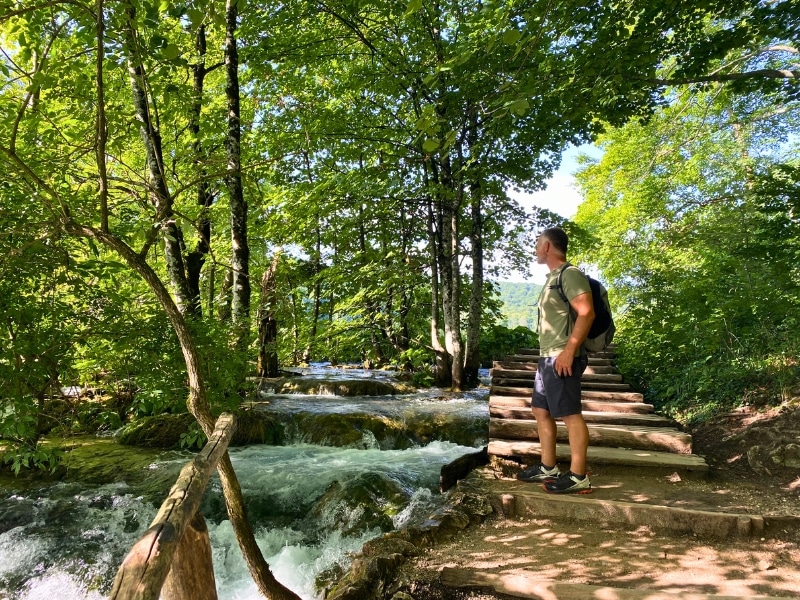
x=541 y=250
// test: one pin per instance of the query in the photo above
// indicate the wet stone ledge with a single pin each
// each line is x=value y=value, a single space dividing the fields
x=374 y=572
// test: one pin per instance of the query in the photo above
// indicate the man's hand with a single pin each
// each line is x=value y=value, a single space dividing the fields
x=563 y=364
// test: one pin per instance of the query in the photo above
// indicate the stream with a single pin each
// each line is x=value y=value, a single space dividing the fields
x=312 y=505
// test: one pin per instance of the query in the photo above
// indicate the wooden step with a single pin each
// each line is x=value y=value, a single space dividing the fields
x=612 y=396
x=532 y=359
x=661 y=439
x=529 y=451
x=590 y=416
x=500 y=375
x=608 y=353
x=505 y=366
x=586 y=403
x=520 y=388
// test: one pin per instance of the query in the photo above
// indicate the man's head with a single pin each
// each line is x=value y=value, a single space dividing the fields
x=552 y=243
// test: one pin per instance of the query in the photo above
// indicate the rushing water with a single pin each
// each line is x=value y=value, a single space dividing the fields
x=313 y=506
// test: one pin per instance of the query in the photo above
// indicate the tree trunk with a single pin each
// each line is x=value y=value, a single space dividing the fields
x=201 y=410
x=472 y=360
x=197 y=257
x=240 y=261
x=101 y=126
x=157 y=184
x=267 y=325
x=371 y=307
x=442 y=365
x=473 y=356
x=316 y=290
x=451 y=277
x=225 y=296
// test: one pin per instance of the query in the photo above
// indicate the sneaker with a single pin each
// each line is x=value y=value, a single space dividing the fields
x=568 y=483
x=538 y=473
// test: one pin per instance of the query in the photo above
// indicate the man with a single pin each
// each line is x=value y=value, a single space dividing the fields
x=557 y=388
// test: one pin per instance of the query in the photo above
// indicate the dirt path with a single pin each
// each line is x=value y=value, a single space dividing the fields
x=630 y=558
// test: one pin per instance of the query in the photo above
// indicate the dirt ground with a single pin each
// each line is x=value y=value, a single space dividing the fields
x=639 y=557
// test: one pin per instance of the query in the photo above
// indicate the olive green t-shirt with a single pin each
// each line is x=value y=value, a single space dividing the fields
x=553 y=322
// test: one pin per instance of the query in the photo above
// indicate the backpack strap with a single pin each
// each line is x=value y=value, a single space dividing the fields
x=560 y=288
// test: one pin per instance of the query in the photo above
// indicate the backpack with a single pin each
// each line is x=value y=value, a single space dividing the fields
x=602 y=330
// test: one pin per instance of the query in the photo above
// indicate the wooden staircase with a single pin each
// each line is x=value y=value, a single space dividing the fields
x=623 y=430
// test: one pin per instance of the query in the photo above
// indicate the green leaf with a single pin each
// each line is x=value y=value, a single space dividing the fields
x=511 y=37
x=519 y=107
x=171 y=52
x=195 y=16
x=413 y=6
x=430 y=145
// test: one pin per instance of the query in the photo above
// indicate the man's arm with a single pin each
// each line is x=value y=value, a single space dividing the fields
x=584 y=308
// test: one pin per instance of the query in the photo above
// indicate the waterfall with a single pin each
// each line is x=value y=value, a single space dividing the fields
x=312 y=506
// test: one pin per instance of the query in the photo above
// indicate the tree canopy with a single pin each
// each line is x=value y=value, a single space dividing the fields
x=162 y=153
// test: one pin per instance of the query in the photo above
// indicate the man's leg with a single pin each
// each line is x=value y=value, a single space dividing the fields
x=547 y=435
x=578 y=442
x=546 y=470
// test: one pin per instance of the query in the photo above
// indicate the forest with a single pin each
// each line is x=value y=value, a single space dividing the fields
x=194 y=193
x=519 y=303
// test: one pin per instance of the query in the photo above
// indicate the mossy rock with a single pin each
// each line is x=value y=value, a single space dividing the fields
x=351 y=430
x=366 y=502
x=333 y=387
x=58 y=413
x=257 y=427
x=158 y=431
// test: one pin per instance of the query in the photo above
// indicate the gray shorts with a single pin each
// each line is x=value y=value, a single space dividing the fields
x=561 y=396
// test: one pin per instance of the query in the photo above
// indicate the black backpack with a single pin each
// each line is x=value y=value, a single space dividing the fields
x=601 y=333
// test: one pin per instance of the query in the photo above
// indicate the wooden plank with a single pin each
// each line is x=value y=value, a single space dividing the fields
x=528 y=585
x=504 y=366
x=529 y=451
x=144 y=569
x=521 y=390
x=590 y=405
x=662 y=439
x=534 y=358
x=192 y=572
x=639 y=419
x=528 y=374
x=612 y=396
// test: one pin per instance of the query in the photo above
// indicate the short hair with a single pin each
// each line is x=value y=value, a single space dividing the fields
x=557 y=237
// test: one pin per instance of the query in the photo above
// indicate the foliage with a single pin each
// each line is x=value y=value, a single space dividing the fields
x=519 y=303
x=379 y=140
x=500 y=341
x=700 y=246
x=193 y=438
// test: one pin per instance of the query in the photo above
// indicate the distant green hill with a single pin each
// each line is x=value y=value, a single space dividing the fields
x=519 y=303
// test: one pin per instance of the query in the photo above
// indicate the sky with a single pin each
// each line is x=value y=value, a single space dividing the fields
x=560 y=196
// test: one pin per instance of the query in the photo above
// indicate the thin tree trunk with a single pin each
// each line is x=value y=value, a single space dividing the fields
x=472 y=360
x=442 y=365
x=451 y=278
x=370 y=305
x=240 y=262
x=316 y=291
x=158 y=191
x=225 y=294
x=101 y=129
x=197 y=257
x=201 y=410
x=267 y=324
x=473 y=357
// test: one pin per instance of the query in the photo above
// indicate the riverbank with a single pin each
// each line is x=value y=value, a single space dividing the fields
x=537 y=550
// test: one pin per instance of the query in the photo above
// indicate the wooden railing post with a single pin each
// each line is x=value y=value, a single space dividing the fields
x=163 y=548
x=192 y=574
